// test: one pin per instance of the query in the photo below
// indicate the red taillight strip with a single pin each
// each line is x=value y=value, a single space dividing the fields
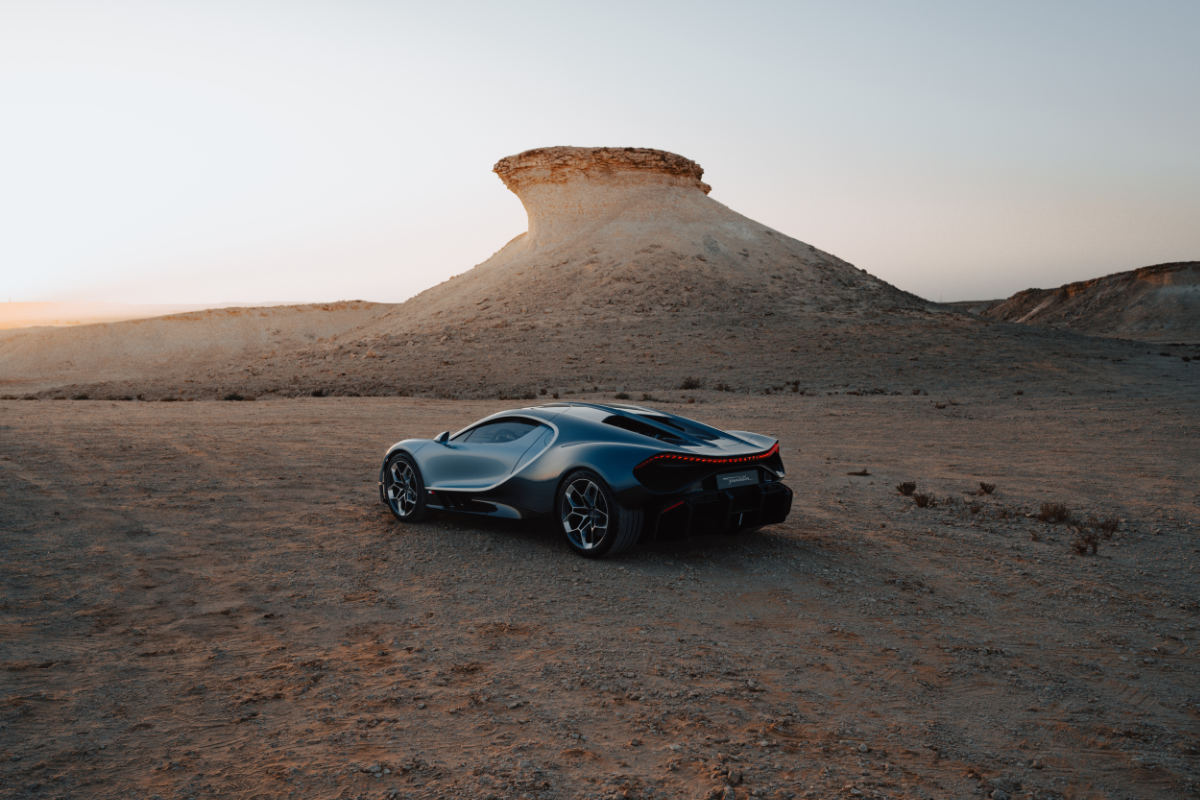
x=703 y=460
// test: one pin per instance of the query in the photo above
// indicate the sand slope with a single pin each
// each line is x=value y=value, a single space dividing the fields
x=177 y=346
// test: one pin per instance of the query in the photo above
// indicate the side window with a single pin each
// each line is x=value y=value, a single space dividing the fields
x=501 y=431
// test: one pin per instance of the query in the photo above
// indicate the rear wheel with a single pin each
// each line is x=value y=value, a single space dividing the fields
x=403 y=488
x=594 y=523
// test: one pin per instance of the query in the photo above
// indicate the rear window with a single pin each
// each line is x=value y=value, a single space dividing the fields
x=637 y=426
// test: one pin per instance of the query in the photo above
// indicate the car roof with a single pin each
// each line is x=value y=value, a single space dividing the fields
x=582 y=410
x=574 y=409
x=599 y=412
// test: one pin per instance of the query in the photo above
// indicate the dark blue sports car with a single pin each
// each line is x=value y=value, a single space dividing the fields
x=608 y=475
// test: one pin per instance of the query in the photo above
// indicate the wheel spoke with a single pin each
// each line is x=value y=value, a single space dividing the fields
x=573 y=497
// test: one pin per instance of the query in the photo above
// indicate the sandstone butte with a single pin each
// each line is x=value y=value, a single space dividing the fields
x=615 y=232
x=629 y=274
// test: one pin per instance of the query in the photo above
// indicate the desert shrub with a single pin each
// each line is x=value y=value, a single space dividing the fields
x=906 y=488
x=692 y=383
x=923 y=500
x=318 y=392
x=621 y=396
x=555 y=395
x=1054 y=513
x=986 y=488
x=233 y=396
x=722 y=386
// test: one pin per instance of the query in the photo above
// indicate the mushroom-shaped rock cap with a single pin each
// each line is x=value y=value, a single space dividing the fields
x=568 y=191
x=560 y=164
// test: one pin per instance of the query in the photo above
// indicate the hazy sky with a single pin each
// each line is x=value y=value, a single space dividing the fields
x=262 y=151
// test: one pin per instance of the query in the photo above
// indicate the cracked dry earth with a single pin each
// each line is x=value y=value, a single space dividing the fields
x=205 y=599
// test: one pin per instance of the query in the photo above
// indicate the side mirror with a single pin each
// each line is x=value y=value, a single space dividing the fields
x=442 y=437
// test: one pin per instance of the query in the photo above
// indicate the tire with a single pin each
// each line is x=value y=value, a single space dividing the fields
x=590 y=517
x=403 y=488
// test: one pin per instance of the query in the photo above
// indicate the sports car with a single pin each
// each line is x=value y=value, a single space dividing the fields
x=607 y=475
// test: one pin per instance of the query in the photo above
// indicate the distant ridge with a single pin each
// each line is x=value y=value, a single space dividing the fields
x=1155 y=303
x=192 y=347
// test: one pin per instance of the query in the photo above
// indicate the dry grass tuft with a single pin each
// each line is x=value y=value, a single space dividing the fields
x=1054 y=513
x=906 y=488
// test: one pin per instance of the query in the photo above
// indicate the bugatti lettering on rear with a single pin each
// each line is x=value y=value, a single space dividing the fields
x=607 y=475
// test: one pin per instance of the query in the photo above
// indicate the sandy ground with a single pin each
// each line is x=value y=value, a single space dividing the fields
x=205 y=599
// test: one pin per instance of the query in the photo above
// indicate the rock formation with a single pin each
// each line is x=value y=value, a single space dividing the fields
x=1159 y=303
x=624 y=231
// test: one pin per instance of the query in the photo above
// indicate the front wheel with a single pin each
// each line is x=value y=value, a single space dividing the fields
x=403 y=488
x=594 y=523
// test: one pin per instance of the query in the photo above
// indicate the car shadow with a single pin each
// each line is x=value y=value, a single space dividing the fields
x=544 y=535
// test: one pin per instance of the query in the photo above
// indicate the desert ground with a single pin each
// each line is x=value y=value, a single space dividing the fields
x=206 y=599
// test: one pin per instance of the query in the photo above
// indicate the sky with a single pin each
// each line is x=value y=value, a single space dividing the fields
x=256 y=151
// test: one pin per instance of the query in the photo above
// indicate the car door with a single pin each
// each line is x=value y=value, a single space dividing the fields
x=481 y=457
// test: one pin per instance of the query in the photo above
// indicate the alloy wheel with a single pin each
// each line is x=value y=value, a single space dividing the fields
x=402 y=487
x=584 y=513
